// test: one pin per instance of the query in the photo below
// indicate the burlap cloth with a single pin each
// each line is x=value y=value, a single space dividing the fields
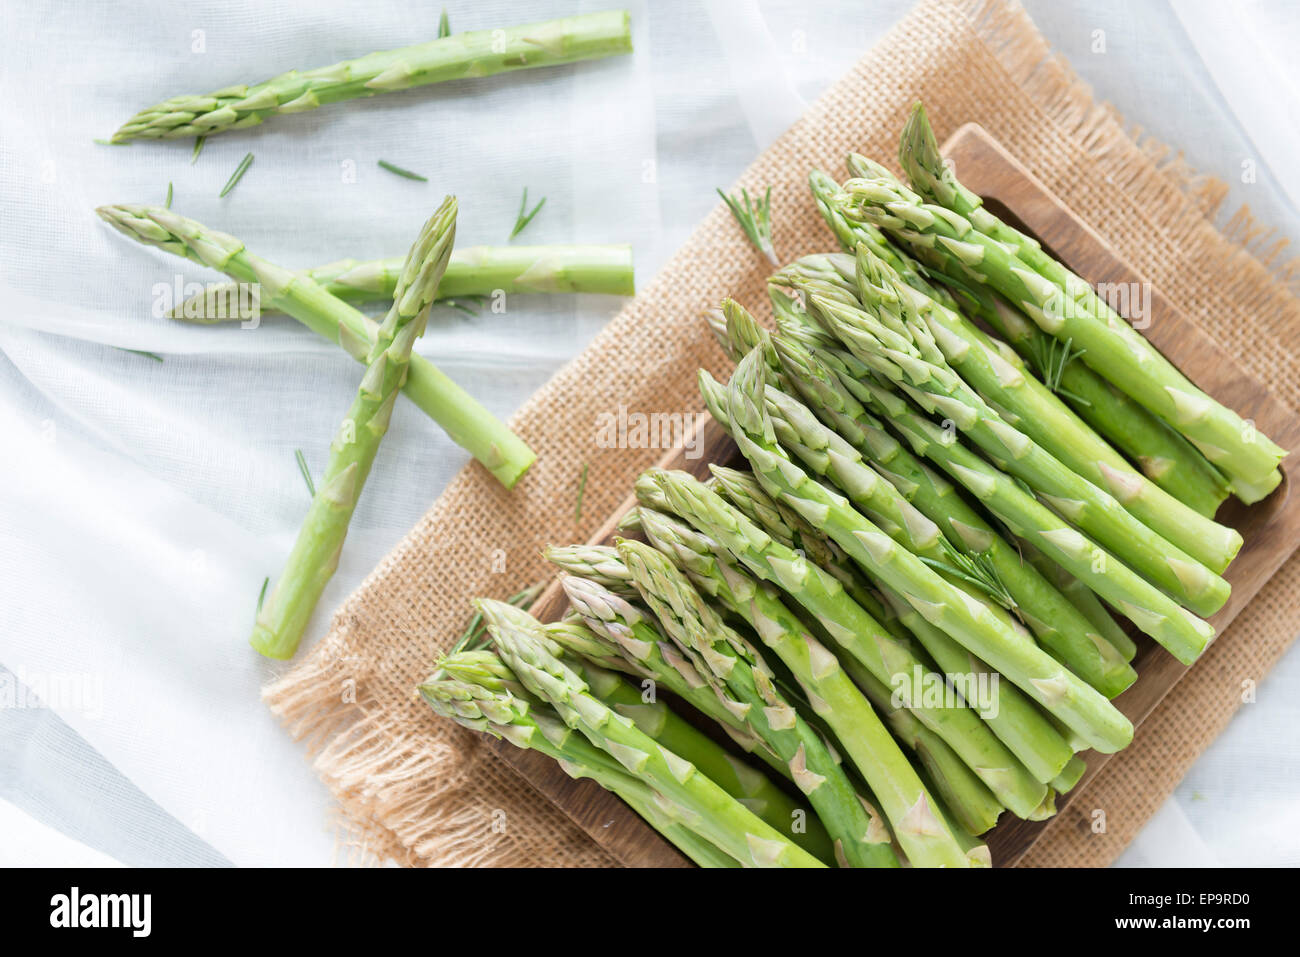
x=416 y=789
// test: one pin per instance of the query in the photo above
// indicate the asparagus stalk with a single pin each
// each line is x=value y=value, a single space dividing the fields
x=841 y=392
x=912 y=361
x=749 y=786
x=477 y=271
x=476 y=54
x=1066 y=307
x=710 y=810
x=732 y=661
x=598 y=563
x=1082 y=598
x=478 y=691
x=828 y=687
x=1067 y=634
x=1018 y=723
x=1037 y=411
x=972 y=805
x=630 y=633
x=525 y=725
x=891 y=660
x=284 y=615
x=1164 y=456
x=1024 y=664
x=470 y=426
x=1159 y=616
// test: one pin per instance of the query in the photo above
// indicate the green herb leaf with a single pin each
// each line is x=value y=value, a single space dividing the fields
x=262 y=595
x=582 y=488
x=444 y=25
x=755 y=218
x=167 y=204
x=522 y=220
x=140 y=352
x=237 y=175
x=384 y=164
x=198 y=148
x=306 y=472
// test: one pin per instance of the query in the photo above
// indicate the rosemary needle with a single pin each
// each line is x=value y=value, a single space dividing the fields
x=306 y=472
x=444 y=25
x=522 y=220
x=262 y=596
x=237 y=175
x=167 y=204
x=582 y=488
x=384 y=164
x=198 y=148
x=755 y=218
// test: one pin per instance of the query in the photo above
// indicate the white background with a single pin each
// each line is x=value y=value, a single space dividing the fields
x=142 y=503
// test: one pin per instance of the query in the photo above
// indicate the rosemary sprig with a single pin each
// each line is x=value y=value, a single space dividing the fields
x=392 y=168
x=755 y=218
x=582 y=489
x=306 y=472
x=522 y=220
x=237 y=175
x=1051 y=357
x=976 y=570
x=444 y=25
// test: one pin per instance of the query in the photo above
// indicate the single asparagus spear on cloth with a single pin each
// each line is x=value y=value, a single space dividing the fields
x=284 y=616
x=470 y=426
x=475 y=54
x=477 y=271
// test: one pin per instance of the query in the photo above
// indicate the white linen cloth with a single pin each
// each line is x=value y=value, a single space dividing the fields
x=143 y=503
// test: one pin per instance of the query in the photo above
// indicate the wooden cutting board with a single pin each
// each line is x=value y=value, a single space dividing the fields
x=1270 y=529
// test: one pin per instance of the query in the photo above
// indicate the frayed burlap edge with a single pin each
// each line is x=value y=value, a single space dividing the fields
x=418 y=792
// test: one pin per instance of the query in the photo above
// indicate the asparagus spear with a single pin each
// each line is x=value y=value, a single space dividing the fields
x=477 y=271
x=475 y=54
x=1039 y=413
x=914 y=363
x=598 y=563
x=480 y=699
x=1066 y=307
x=891 y=660
x=691 y=623
x=948 y=608
x=827 y=684
x=840 y=393
x=470 y=426
x=1082 y=598
x=1159 y=616
x=852 y=233
x=630 y=633
x=284 y=615
x=1067 y=634
x=710 y=810
x=746 y=784
x=1164 y=456
x=973 y=806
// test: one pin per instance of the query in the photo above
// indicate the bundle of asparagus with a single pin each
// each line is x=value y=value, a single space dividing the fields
x=962 y=468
